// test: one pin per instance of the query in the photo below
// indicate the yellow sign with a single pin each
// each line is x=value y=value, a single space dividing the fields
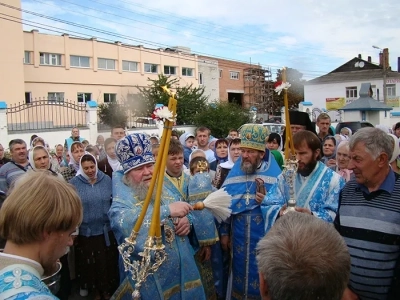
x=335 y=103
x=393 y=101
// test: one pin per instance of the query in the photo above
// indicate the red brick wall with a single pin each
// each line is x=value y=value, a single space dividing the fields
x=225 y=82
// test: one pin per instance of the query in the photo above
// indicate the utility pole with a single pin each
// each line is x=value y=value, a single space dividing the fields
x=384 y=57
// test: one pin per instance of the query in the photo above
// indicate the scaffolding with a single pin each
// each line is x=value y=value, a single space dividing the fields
x=258 y=89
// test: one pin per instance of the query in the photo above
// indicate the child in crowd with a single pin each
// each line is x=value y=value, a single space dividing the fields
x=154 y=150
x=187 y=140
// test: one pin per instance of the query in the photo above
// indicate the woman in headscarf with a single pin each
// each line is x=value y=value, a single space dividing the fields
x=59 y=153
x=101 y=147
x=346 y=131
x=38 y=141
x=329 y=151
x=342 y=161
x=111 y=163
x=223 y=168
x=96 y=250
x=75 y=152
x=394 y=160
x=221 y=151
x=40 y=160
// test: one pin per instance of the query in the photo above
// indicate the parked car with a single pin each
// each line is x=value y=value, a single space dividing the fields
x=354 y=126
x=142 y=122
x=273 y=127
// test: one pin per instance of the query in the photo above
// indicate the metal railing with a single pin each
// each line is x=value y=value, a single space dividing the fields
x=46 y=114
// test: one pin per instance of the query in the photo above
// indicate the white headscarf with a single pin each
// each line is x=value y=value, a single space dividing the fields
x=197 y=150
x=32 y=159
x=81 y=172
x=72 y=161
x=229 y=163
x=396 y=150
x=384 y=128
x=114 y=163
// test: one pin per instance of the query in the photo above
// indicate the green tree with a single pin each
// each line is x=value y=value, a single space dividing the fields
x=295 y=92
x=191 y=100
x=221 y=117
x=112 y=114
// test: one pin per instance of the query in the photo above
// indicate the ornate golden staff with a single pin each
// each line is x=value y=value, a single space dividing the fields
x=154 y=253
x=291 y=163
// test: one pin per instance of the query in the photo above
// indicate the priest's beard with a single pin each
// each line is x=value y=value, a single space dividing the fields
x=141 y=189
x=308 y=168
x=248 y=167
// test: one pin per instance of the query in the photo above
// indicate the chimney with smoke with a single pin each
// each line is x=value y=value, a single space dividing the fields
x=369 y=59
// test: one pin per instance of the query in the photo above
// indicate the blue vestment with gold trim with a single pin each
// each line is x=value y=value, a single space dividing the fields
x=178 y=277
x=246 y=226
x=319 y=192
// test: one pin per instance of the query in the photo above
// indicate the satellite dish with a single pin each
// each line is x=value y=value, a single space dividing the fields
x=361 y=64
x=356 y=64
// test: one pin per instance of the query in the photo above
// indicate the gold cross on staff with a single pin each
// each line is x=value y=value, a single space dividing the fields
x=168 y=91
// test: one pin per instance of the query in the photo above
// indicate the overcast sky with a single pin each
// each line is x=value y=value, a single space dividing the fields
x=312 y=36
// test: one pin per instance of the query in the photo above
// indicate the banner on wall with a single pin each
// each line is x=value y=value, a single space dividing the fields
x=393 y=101
x=335 y=103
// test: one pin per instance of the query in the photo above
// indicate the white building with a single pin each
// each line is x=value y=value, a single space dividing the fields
x=209 y=78
x=340 y=87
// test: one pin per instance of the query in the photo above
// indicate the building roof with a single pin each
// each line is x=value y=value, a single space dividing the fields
x=352 y=71
x=366 y=102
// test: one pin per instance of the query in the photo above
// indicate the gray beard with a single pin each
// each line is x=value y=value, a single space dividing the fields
x=250 y=168
x=140 y=189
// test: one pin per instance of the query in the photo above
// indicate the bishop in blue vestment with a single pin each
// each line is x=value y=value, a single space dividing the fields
x=178 y=277
x=246 y=224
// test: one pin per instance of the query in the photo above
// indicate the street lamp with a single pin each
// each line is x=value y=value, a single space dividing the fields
x=384 y=72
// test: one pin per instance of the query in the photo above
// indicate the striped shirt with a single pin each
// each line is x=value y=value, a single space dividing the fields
x=9 y=173
x=370 y=225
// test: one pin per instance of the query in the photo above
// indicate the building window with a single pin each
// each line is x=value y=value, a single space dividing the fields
x=28 y=97
x=129 y=66
x=187 y=72
x=50 y=59
x=151 y=68
x=27 y=57
x=110 y=98
x=351 y=92
x=80 y=61
x=391 y=90
x=84 y=97
x=220 y=73
x=106 y=64
x=55 y=97
x=169 y=70
x=201 y=78
x=234 y=75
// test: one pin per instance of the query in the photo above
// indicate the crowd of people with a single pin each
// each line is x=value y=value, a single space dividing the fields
x=82 y=201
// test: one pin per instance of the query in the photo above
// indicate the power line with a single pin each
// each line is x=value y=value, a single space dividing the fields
x=208 y=24
x=249 y=44
x=119 y=36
